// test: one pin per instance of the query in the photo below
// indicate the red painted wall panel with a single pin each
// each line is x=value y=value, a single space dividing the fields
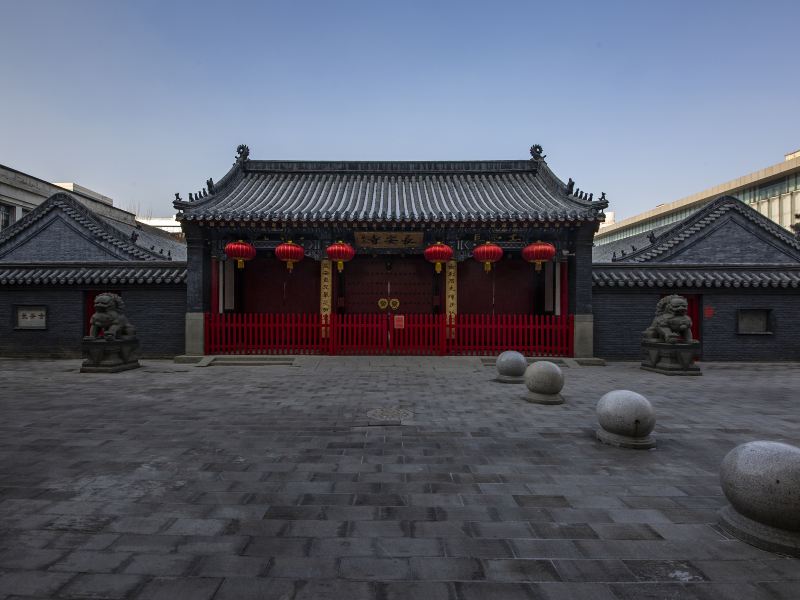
x=508 y=288
x=269 y=287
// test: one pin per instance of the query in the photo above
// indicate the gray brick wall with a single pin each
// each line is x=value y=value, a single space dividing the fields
x=157 y=312
x=724 y=343
x=620 y=316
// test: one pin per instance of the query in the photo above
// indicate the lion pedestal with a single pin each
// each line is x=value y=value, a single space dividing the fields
x=111 y=345
x=667 y=345
x=670 y=359
x=109 y=356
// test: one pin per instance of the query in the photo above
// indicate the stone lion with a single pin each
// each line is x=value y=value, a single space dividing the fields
x=671 y=323
x=108 y=317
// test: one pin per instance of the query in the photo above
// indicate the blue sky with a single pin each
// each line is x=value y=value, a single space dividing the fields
x=646 y=101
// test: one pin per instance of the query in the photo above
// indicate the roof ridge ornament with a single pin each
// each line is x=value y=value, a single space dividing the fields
x=242 y=153
x=536 y=153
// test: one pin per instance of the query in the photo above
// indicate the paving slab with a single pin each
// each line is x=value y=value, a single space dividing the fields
x=274 y=482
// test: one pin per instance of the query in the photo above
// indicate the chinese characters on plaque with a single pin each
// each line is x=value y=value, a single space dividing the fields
x=451 y=288
x=325 y=287
x=389 y=239
x=31 y=317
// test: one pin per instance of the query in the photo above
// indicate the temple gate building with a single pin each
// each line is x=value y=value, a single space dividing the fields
x=365 y=283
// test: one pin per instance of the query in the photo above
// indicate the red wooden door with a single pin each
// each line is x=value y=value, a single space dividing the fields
x=509 y=288
x=377 y=285
x=269 y=287
x=410 y=283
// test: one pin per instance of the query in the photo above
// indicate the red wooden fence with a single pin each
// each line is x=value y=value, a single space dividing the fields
x=262 y=333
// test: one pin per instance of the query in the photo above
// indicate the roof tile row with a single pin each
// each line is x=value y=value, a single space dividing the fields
x=111 y=274
x=788 y=277
x=521 y=195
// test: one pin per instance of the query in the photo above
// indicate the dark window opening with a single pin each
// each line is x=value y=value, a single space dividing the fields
x=754 y=321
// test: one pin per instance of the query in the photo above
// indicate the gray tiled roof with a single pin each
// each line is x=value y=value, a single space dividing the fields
x=93 y=274
x=690 y=276
x=105 y=230
x=152 y=239
x=394 y=192
x=612 y=251
x=670 y=238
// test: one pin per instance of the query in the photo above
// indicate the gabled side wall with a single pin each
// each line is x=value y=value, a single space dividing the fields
x=157 y=312
x=620 y=316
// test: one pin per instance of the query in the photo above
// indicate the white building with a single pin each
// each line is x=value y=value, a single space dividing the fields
x=20 y=193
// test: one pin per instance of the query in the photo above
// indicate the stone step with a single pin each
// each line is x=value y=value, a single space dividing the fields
x=249 y=360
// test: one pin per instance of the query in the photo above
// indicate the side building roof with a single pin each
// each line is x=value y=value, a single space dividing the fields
x=390 y=192
x=725 y=244
x=62 y=229
x=62 y=242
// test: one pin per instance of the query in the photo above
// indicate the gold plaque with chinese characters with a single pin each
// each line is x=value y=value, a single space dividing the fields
x=389 y=239
x=325 y=287
x=451 y=288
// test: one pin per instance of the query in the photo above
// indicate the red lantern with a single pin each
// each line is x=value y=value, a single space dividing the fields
x=290 y=253
x=240 y=251
x=438 y=253
x=539 y=252
x=341 y=252
x=487 y=254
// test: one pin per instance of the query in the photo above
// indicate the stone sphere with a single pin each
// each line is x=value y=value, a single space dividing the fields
x=511 y=364
x=761 y=480
x=544 y=377
x=626 y=413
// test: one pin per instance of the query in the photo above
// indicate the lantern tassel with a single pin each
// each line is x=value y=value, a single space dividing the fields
x=340 y=265
x=438 y=267
x=239 y=264
x=487 y=266
x=538 y=265
x=289 y=265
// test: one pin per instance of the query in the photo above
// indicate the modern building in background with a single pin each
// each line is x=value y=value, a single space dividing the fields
x=168 y=224
x=774 y=192
x=20 y=193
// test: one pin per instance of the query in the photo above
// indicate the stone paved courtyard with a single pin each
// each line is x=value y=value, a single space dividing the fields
x=177 y=482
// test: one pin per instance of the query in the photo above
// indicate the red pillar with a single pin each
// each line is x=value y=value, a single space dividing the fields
x=564 y=289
